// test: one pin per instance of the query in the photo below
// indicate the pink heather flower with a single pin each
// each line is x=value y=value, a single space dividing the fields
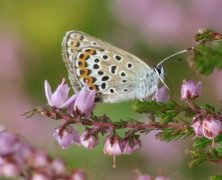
x=197 y=127
x=211 y=128
x=58 y=166
x=162 y=95
x=40 y=159
x=161 y=178
x=114 y=145
x=78 y=175
x=67 y=138
x=89 y=141
x=40 y=176
x=10 y=169
x=25 y=152
x=144 y=177
x=85 y=101
x=132 y=145
x=59 y=98
x=9 y=143
x=190 y=89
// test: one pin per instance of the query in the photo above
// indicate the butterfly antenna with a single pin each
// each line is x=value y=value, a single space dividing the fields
x=161 y=79
x=172 y=55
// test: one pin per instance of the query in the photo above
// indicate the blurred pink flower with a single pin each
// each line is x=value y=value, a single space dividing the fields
x=14 y=97
x=9 y=143
x=10 y=169
x=39 y=159
x=78 y=175
x=169 y=21
x=40 y=176
x=58 y=166
x=155 y=151
x=143 y=177
x=161 y=178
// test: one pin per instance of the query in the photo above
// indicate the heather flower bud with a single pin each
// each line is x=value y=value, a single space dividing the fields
x=67 y=137
x=143 y=177
x=78 y=175
x=211 y=128
x=162 y=95
x=40 y=159
x=114 y=145
x=197 y=127
x=9 y=143
x=10 y=169
x=85 y=101
x=40 y=176
x=161 y=178
x=132 y=145
x=190 y=89
x=58 y=166
x=89 y=141
x=59 y=98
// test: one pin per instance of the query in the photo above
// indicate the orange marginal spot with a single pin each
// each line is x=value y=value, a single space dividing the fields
x=83 y=56
x=84 y=73
x=91 y=51
x=82 y=64
x=94 y=87
x=89 y=80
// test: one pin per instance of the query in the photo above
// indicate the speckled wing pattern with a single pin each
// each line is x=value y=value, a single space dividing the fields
x=103 y=67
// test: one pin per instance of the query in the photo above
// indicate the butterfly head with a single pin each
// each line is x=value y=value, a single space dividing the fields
x=160 y=70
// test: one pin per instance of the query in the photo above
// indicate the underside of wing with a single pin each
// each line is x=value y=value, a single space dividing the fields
x=100 y=65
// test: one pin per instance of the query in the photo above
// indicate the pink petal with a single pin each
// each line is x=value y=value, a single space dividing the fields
x=70 y=101
x=48 y=92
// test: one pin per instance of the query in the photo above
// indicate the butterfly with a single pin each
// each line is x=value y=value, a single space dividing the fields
x=115 y=74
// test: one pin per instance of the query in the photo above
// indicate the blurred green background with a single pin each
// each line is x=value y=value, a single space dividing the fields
x=30 y=52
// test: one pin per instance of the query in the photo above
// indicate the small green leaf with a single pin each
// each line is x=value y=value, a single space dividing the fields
x=208 y=107
x=32 y=112
x=201 y=142
x=207 y=54
x=153 y=106
x=216 y=177
x=197 y=157
x=219 y=149
x=172 y=134
x=207 y=35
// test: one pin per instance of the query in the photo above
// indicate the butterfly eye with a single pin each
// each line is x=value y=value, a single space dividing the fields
x=159 y=70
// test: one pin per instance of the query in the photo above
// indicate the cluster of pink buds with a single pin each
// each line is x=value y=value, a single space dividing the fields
x=115 y=146
x=21 y=160
x=203 y=124
x=208 y=127
x=148 y=177
x=81 y=103
x=80 y=106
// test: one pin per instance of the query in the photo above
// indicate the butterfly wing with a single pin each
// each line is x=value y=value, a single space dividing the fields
x=106 y=68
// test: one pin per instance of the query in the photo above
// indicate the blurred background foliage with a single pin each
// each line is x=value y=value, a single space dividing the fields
x=30 y=52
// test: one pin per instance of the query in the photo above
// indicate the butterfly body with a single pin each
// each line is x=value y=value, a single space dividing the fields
x=115 y=74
